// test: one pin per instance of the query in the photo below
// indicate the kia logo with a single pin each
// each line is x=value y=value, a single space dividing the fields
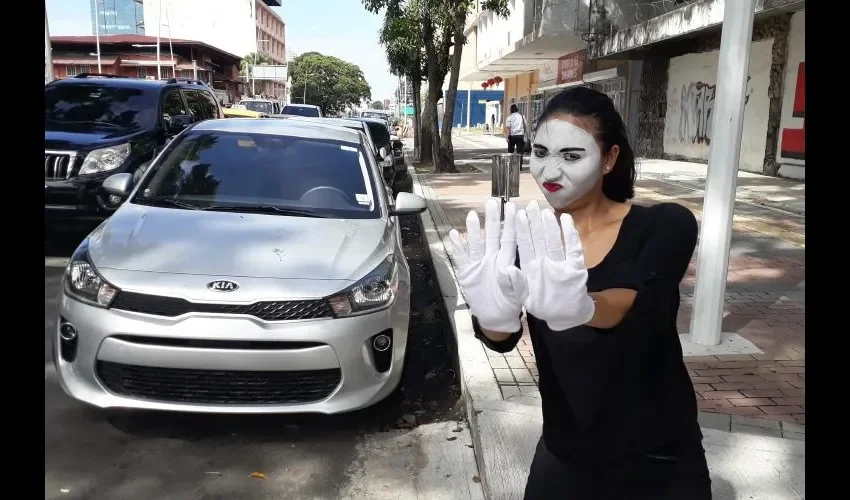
x=223 y=286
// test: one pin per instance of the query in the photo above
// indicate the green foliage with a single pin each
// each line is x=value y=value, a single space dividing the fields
x=253 y=59
x=331 y=83
x=377 y=105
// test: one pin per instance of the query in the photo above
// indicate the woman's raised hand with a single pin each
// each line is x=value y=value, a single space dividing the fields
x=493 y=286
x=554 y=268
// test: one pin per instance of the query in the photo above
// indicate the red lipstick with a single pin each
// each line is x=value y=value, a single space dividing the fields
x=552 y=186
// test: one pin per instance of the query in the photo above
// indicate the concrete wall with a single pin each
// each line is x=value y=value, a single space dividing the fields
x=691 y=85
x=791 y=150
x=496 y=34
x=516 y=87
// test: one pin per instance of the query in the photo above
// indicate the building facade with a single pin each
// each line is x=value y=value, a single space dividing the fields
x=657 y=60
x=673 y=82
x=118 y=17
x=130 y=56
x=240 y=27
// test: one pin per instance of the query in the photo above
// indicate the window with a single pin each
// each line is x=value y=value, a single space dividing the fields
x=326 y=177
x=77 y=69
x=196 y=105
x=172 y=104
x=211 y=104
x=98 y=105
x=536 y=110
x=141 y=72
x=259 y=106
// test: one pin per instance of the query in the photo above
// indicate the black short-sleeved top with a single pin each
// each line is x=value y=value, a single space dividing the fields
x=613 y=394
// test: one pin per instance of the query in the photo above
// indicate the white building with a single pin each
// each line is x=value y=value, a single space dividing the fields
x=225 y=24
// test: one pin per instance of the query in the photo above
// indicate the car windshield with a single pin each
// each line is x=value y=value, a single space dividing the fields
x=380 y=134
x=262 y=173
x=93 y=104
x=300 y=111
x=260 y=106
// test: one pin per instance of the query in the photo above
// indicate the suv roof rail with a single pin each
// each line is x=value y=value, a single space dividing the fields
x=103 y=75
x=185 y=80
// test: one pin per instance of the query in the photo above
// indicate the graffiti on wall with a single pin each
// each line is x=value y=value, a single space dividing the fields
x=794 y=139
x=697 y=102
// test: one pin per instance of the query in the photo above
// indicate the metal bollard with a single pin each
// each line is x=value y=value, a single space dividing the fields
x=505 y=177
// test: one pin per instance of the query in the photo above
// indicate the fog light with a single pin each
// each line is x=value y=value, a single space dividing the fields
x=67 y=332
x=381 y=343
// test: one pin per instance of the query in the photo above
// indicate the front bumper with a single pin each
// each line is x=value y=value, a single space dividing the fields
x=77 y=197
x=334 y=355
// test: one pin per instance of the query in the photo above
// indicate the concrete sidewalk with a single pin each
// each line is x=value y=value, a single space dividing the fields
x=501 y=393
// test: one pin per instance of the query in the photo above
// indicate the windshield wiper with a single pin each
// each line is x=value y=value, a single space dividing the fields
x=262 y=209
x=167 y=202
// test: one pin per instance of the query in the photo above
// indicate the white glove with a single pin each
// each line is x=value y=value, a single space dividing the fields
x=493 y=286
x=556 y=276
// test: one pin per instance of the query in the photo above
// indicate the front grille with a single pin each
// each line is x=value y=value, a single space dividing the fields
x=175 y=385
x=280 y=310
x=58 y=165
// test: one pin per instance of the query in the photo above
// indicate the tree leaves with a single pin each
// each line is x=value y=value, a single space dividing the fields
x=327 y=82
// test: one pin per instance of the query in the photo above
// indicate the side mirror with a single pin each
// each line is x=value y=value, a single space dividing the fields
x=118 y=184
x=178 y=123
x=383 y=152
x=398 y=145
x=408 y=204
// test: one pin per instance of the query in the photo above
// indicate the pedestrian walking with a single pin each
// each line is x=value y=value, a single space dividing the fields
x=598 y=277
x=515 y=130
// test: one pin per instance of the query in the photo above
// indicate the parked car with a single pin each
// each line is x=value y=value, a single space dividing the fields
x=256 y=267
x=243 y=113
x=382 y=155
x=96 y=126
x=266 y=106
x=382 y=138
x=302 y=110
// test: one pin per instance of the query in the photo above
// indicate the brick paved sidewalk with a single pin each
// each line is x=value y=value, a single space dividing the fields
x=765 y=303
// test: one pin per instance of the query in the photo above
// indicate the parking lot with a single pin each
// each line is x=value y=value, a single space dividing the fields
x=379 y=452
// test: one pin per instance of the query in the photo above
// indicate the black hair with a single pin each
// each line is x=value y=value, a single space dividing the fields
x=583 y=102
x=514 y=109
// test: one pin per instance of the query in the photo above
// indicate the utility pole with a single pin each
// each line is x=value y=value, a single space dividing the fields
x=721 y=181
x=97 y=34
x=158 y=33
x=48 y=51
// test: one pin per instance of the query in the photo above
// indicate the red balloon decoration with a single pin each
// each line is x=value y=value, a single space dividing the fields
x=484 y=85
x=491 y=81
x=498 y=79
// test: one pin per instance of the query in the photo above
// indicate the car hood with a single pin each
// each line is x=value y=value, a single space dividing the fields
x=72 y=138
x=164 y=240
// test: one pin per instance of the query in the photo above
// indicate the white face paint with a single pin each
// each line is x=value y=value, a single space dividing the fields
x=566 y=162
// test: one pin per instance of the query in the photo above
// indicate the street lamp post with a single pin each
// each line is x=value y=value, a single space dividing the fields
x=48 y=51
x=721 y=180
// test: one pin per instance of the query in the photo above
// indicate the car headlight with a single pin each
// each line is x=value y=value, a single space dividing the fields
x=374 y=291
x=105 y=159
x=84 y=283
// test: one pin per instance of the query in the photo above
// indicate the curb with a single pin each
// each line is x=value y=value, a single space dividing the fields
x=475 y=372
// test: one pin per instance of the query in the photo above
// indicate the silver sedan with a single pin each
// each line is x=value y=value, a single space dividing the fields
x=256 y=267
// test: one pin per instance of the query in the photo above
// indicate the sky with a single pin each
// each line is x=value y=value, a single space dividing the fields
x=340 y=28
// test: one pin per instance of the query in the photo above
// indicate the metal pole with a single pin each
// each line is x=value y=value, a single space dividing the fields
x=468 y=105
x=48 y=51
x=195 y=69
x=171 y=47
x=158 y=33
x=719 y=202
x=97 y=34
x=304 y=99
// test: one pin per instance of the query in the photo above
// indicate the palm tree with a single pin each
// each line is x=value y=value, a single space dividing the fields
x=253 y=59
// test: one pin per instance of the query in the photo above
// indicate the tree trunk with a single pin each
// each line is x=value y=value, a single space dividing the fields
x=447 y=156
x=417 y=118
x=430 y=132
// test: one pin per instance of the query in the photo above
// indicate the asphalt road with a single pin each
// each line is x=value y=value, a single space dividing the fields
x=90 y=454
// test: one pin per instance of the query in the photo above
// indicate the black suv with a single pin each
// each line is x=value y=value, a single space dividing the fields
x=99 y=125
